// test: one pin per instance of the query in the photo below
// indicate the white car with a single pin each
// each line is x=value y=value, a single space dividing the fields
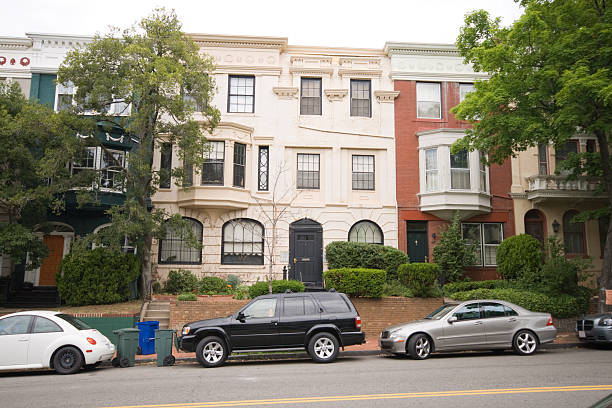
x=44 y=339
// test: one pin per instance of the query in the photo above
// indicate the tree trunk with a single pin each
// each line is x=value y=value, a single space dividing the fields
x=605 y=279
x=147 y=277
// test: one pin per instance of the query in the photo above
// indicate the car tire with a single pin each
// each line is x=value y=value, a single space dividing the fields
x=323 y=347
x=525 y=343
x=211 y=351
x=419 y=346
x=67 y=360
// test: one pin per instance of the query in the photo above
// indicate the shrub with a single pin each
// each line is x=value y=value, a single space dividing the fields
x=241 y=292
x=233 y=280
x=99 y=276
x=519 y=257
x=420 y=278
x=212 y=284
x=356 y=281
x=278 y=286
x=462 y=286
x=342 y=254
x=395 y=288
x=187 y=297
x=180 y=281
x=453 y=253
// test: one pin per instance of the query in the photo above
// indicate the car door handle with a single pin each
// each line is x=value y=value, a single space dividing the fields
x=478 y=322
x=512 y=319
x=274 y=322
x=22 y=339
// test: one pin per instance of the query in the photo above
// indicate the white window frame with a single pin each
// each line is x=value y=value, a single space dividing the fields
x=482 y=172
x=61 y=90
x=482 y=245
x=420 y=89
x=460 y=170
x=432 y=174
x=465 y=89
x=95 y=161
x=112 y=169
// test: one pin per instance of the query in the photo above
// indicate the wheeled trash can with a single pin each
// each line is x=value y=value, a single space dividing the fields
x=126 y=347
x=163 y=347
x=146 y=340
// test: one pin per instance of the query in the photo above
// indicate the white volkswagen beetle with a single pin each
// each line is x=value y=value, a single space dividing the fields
x=44 y=339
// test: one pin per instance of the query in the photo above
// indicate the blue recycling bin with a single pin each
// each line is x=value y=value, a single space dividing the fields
x=146 y=338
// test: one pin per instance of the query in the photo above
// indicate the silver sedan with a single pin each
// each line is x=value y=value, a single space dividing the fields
x=471 y=325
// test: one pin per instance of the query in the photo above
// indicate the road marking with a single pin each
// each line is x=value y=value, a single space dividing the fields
x=308 y=400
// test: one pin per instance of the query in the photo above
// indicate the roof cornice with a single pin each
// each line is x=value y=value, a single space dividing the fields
x=61 y=37
x=15 y=43
x=398 y=48
x=238 y=41
x=336 y=51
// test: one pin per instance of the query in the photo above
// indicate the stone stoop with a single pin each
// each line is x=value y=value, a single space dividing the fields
x=160 y=311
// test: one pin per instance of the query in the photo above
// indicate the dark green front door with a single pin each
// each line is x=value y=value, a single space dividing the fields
x=417 y=241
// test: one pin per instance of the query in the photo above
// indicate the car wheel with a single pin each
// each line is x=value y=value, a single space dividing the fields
x=525 y=343
x=323 y=348
x=419 y=346
x=211 y=351
x=67 y=360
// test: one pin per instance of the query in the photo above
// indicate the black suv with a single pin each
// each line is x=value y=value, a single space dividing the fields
x=318 y=322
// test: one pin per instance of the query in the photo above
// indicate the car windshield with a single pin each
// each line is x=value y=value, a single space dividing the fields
x=440 y=312
x=79 y=324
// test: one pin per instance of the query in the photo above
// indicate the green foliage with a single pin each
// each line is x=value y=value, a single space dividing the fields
x=187 y=297
x=212 y=284
x=342 y=254
x=395 y=288
x=94 y=277
x=240 y=292
x=19 y=241
x=278 y=286
x=463 y=286
x=234 y=281
x=356 y=282
x=180 y=281
x=519 y=257
x=420 y=278
x=453 y=253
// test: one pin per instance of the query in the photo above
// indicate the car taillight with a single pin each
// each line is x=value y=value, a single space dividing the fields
x=358 y=322
x=91 y=341
x=550 y=322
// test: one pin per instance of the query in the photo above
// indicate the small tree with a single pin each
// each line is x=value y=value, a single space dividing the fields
x=519 y=257
x=453 y=253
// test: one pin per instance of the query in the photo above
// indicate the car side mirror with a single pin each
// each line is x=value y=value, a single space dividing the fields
x=452 y=319
x=240 y=317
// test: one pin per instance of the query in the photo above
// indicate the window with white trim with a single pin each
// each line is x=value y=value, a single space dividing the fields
x=307 y=171
x=87 y=161
x=361 y=97
x=432 y=182
x=243 y=242
x=465 y=89
x=64 y=97
x=112 y=166
x=239 y=164
x=310 y=97
x=486 y=238
x=214 y=159
x=363 y=172
x=241 y=95
x=429 y=100
x=482 y=169
x=366 y=231
x=460 y=170
x=174 y=249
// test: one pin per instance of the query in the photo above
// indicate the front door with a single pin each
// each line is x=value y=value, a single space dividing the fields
x=306 y=252
x=48 y=267
x=417 y=241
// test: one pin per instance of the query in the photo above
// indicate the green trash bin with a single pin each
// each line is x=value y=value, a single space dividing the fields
x=163 y=347
x=127 y=345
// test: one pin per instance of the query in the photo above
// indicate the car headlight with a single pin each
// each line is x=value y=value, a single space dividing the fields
x=605 y=322
x=397 y=335
x=186 y=330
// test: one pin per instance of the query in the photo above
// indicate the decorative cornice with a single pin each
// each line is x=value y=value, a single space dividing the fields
x=235 y=126
x=335 y=94
x=449 y=50
x=335 y=51
x=233 y=41
x=363 y=73
x=251 y=69
x=386 y=96
x=285 y=92
x=15 y=43
x=311 y=71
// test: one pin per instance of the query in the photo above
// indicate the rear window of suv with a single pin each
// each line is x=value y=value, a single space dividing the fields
x=333 y=303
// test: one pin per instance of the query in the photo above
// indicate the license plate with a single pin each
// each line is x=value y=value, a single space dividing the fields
x=581 y=334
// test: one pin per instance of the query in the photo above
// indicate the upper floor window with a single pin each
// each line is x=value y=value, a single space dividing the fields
x=363 y=172
x=214 y=158
x=482 y=172
x=239 y=164
x=361 y=97
x=87 y=161
x=308 y=171
x=542 y=159
x=460 y=171
x=563 y=152
x=465 y=89
x=65 y=95
x=243 y=241
x=241 y=95
x=174 y=249
x=573 y=234
x=113 y=165
x=429 y=100
x=165 y=166
x=310 y=98
x=486 y=238
x=263 y=166
x=366 y=231
x=431 y=170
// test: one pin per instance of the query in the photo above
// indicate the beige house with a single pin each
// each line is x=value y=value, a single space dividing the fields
x=307 y=139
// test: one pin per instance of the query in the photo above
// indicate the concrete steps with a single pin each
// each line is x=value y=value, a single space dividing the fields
x=160 y=311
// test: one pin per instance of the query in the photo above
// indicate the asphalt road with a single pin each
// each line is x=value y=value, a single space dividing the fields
x=552 y=378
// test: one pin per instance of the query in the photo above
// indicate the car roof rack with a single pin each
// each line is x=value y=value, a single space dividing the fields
x=288 y=291
x=332 y=290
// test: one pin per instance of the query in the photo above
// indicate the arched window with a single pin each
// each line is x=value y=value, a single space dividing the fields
x=573 y=234
x=366 y=231
x=242 y=242
x=174 y=249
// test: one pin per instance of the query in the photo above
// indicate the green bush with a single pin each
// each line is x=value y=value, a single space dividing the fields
x=240 y=292
x=453 y=253
x=462 y=286
x=212 y=284
x=559 y=306
x=420 y=278
x=187 y=297
x=180 y=281
x=233 y=280
x=519 y=257
x=278 y=286
x=395 y=288
x=356 y=282
x=99 y=276
x=342 y=254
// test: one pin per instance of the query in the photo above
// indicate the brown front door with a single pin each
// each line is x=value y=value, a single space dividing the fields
x=49 y=265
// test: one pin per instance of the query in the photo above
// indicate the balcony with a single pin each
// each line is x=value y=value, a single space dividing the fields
x=559 y=188
x=214 y=197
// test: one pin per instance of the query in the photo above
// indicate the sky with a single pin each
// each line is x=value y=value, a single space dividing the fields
x=337 y=23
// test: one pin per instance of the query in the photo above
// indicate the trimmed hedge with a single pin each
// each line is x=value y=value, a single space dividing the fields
x=212 y=284
x=356 y=282
x=519 y=257
x=559 y=306
x=420 y=278
x=342 y=254
x=180 y=281
x=278 y=286
x=463 y=286
x=187 y=297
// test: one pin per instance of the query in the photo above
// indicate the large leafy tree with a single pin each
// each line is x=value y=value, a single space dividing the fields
x=36 y=144
x=550 y=78
x=157 y=71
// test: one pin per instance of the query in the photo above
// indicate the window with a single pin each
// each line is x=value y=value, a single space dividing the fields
x=604 y=224
x=187 y=174
x=363 y=172
x=468 y=312
x=332 y=303
x=465 y=89
x=165 y=166
x=86 y=162
x=562 y=153
x=264 y=167
x=15 y=325
x=190 y=101
x=366 y=231
x=431 y=170
x=241 y=96
x=174 y=249
x=573 y=234
x=310 y=98
x=113 y=165
x=43 y=325
x=261 y=308
x=298 y=306
x=239 y=164
x=212 y=169
x=308 y=171
x=65 y=95
x=74 y=321
x=429 y=105
x=243 y=241
x=119 y=107
x=542 y=160
x=510 y=312
x=482 y=172
x=486 y=238
x=460 y=171
x=591 y=146
x=361 y=101
x=492 y=310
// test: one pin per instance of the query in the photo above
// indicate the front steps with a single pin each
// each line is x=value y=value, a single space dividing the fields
x=158 y=310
